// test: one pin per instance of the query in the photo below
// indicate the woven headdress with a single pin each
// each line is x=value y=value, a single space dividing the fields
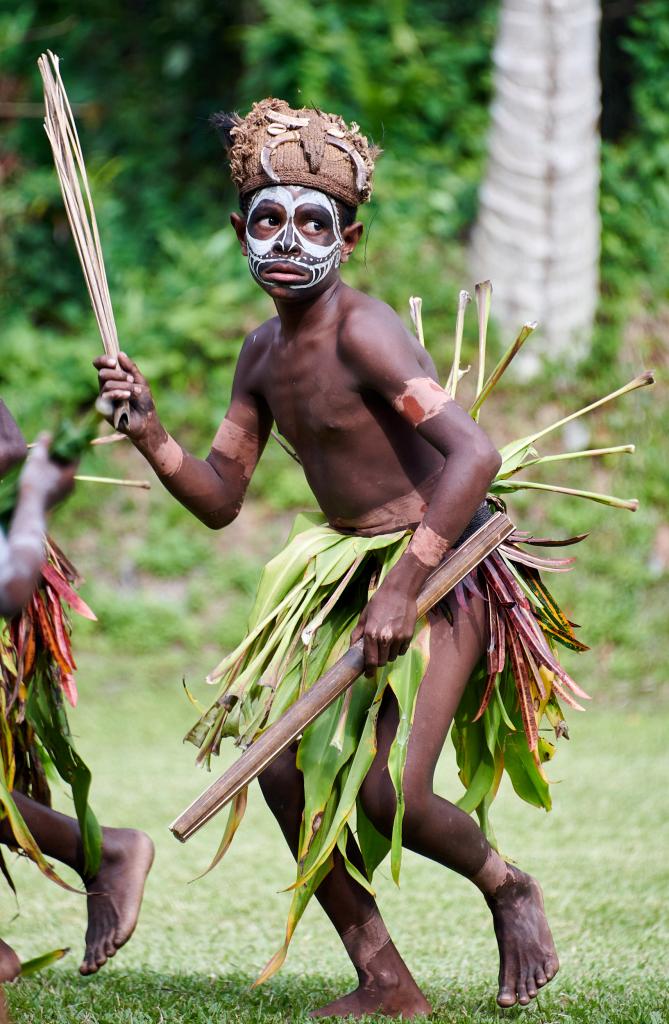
x=276 y=144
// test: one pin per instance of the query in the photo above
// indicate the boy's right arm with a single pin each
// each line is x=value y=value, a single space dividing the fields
x=212 y=489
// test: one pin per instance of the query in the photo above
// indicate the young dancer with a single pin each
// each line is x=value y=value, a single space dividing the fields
x=115 y=886
x=400 y=473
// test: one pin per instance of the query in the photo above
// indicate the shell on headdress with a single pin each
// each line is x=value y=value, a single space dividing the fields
x=289 y=122
x=269 y=147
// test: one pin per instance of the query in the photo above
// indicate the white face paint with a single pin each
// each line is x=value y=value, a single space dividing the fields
x=288 y=244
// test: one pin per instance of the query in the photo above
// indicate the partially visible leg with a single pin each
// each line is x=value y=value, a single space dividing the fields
x=385 y=984
x=4 y=1012
x=10 y=965
x=114 y=893
x=436 y=828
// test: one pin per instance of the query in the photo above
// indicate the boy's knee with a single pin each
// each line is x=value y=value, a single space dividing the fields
x=379 y=804
x=378 y=801
x=415 y=811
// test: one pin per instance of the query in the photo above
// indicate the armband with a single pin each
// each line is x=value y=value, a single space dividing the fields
x=421 y=399
x=428 y=547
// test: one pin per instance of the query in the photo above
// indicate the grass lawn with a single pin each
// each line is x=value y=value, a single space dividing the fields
x=601 y=855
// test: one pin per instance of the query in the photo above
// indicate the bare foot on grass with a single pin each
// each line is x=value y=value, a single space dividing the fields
x=10 y=965
x=527 y=957
x=115 y=894
x=386 y=988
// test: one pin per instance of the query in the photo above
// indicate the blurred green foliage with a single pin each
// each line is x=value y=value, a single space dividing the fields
x=144 y=79
x=417 y=77
x=635 y=180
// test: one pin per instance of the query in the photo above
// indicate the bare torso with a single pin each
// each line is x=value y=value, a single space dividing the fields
x=368 y=468
x=382 y=444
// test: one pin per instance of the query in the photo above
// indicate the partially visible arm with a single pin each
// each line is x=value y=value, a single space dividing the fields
x=471 y=462
x=212 y=489
x=12 y=443
x=22 y=554
x=42 y=483
x=386 y=361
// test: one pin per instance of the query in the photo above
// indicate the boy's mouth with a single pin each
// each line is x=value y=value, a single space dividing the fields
x=284 y=273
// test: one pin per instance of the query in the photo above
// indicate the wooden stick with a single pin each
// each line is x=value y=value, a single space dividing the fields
x=105 y=439
x=144 y=484
x=336 y=680
x=109 y=439
x=286 y=448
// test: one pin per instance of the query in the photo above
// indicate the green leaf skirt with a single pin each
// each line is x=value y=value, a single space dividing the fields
x=308 y=601
x=36 y=677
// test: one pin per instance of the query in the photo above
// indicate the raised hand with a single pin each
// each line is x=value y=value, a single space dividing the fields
x=42 y=478
x=121 y=381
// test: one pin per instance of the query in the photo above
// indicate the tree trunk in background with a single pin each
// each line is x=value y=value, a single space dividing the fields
x=537 y=235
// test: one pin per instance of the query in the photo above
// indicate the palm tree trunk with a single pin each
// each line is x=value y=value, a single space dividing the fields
x=537 y=234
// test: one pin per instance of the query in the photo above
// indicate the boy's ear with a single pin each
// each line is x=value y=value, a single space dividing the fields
x=239 y=224
x=351 y=235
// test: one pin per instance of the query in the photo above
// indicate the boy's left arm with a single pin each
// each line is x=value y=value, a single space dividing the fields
x=404 y=375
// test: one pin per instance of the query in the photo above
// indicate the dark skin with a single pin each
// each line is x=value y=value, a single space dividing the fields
x=42 y=485
x=114 y=894
x=381 y=444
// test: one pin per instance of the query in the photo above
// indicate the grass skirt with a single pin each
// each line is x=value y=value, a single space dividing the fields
x=309 y=599
x=36 y=678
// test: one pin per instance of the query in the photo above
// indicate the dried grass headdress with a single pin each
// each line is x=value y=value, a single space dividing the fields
x=276 y=144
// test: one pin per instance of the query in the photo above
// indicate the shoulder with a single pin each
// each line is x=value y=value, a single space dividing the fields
x=373 y=337
x=362 y=312
x=259 y=339
x=255 y=348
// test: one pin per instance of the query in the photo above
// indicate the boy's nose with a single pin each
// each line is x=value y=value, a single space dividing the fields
x=286 y=241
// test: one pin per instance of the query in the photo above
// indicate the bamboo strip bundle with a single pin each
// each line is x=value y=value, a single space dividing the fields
x=68 y=157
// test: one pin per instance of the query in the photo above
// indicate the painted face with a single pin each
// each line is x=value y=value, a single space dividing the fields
x=292 y=240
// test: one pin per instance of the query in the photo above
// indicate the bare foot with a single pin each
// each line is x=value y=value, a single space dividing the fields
x=527 y=957
x=386 y=987
x=10 y=965
x=115 y=894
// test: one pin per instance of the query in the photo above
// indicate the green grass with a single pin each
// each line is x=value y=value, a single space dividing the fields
x=171 y=596
x=601 y=855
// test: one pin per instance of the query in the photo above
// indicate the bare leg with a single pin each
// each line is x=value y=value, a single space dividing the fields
x=10 y=965
x=114 y=893
x=385 y=984
x=436 y=828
